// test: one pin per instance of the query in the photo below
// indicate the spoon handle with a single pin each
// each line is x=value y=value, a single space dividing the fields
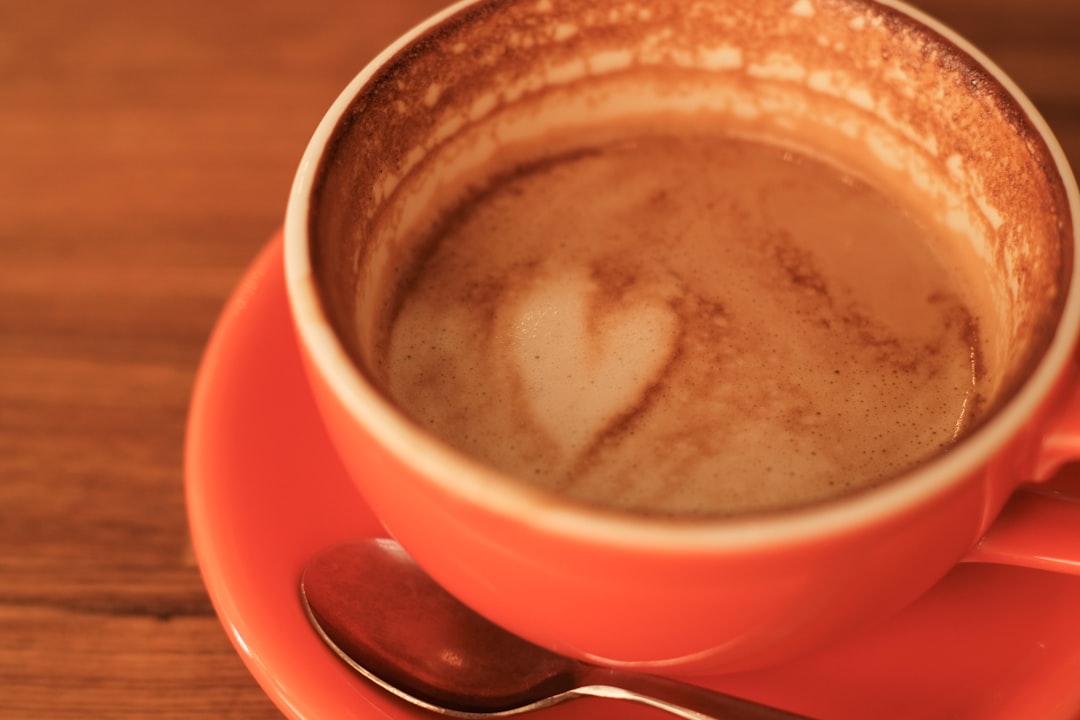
x=678 y=698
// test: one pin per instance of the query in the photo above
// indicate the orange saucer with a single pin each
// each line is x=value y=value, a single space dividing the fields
x=265 y=491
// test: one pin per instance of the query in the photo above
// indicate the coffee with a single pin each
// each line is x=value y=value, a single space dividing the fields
x=922 y=254
x=681 y=321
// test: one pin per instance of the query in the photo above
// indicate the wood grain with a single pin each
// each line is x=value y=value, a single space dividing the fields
x=145 y=153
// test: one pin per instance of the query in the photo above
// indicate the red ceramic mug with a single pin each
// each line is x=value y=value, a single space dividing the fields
x=696 y=595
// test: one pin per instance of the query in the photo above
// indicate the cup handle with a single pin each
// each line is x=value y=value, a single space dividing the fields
x=1039 y=526
x=1061 y=439
x=1036 y=529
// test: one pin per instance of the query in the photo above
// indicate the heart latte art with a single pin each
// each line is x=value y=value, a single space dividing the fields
x=602 y=357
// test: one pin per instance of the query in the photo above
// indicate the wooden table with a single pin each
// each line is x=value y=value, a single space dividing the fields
x=145 y=154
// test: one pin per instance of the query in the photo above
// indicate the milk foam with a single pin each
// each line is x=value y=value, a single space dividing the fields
x=581 y=370
x=687 y=323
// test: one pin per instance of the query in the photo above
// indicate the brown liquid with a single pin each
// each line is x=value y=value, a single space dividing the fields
x=686 y=323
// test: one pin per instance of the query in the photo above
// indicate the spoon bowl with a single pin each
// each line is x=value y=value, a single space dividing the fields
x=382 y=615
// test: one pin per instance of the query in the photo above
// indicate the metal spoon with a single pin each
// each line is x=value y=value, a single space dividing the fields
x=394 y=625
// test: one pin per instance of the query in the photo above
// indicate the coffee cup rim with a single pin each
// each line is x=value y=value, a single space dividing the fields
x=477 y=484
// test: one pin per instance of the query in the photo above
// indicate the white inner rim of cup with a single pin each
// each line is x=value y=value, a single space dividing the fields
x=480 y=485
